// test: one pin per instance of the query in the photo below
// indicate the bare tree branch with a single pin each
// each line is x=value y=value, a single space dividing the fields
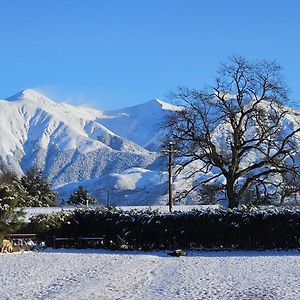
x=240 y=129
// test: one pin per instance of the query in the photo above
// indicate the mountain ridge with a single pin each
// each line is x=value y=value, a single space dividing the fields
x=116 y=151
x=72 y=143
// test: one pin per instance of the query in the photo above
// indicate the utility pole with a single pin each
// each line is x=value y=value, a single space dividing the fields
x=170 y=153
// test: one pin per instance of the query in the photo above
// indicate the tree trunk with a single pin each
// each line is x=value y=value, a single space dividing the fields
x=232 y=198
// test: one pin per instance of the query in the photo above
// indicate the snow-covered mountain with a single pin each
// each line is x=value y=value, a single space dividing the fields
x=114 y=154
x=78 y=145
x=141 y=124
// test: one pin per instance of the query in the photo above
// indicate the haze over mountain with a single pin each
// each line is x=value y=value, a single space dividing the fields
x=77 y=145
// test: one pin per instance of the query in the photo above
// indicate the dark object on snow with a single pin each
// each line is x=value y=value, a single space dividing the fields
x=177 y=253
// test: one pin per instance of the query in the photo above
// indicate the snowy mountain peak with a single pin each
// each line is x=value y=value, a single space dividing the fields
x=157 y=105
x=166 y=106
x=142 y=123
x=31 y=95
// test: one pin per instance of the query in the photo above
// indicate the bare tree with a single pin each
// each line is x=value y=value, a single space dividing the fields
x=238 y=133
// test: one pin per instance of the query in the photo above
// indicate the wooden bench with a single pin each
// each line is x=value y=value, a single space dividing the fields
x=78 y=242
x=24 y=241
x=22 y=236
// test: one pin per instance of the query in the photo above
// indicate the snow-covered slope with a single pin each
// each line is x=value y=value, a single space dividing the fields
x=67 y=141
x=141 y=124
x=134 y=186
x=114 y=150
x=77 y=145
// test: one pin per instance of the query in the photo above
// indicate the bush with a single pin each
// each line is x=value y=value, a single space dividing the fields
x=203 y=229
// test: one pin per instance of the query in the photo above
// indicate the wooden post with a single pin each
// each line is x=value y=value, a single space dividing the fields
x=170 y=152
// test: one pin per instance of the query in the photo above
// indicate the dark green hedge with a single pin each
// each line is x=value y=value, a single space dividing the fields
x=203 y=229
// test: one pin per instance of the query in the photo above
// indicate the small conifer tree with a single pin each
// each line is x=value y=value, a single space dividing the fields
x=38 y=189
x=11 y=193
x=81 y=197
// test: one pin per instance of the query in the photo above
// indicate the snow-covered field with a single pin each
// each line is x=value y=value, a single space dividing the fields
x=101 y=274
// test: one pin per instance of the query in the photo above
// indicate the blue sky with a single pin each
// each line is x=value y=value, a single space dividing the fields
x=116 y=53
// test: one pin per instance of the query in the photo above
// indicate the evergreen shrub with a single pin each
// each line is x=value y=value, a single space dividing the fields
x=199 y=229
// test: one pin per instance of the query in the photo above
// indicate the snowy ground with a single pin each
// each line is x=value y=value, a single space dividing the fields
x=101 y=274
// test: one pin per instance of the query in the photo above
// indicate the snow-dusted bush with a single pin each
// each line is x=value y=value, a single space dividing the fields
x=38 y=189
x=203 y=229
x=10 y=194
